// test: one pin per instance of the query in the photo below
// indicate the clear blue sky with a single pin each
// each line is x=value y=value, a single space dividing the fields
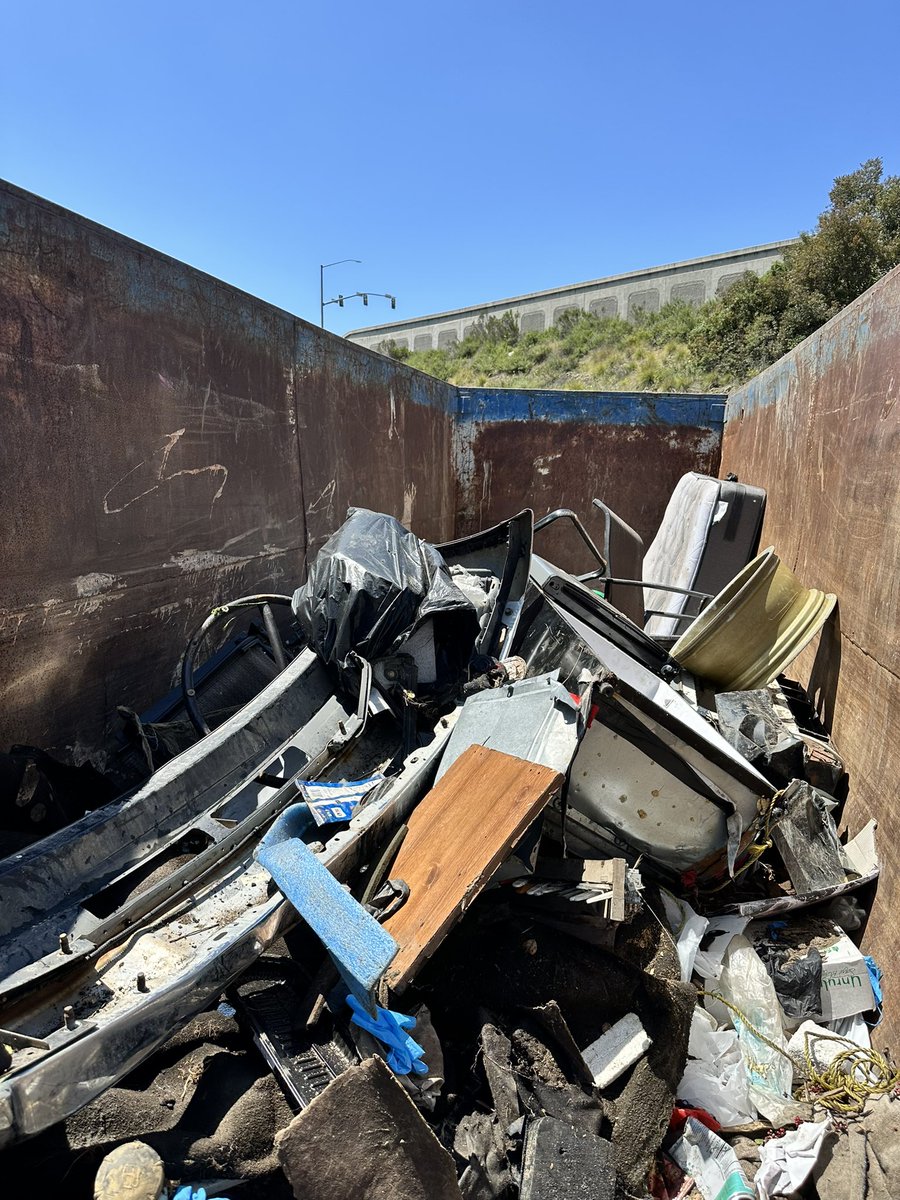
x=465 y=151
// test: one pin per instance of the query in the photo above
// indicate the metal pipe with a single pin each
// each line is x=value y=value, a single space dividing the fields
x=274 y=636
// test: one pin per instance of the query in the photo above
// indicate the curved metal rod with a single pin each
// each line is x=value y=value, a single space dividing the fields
x=659 y=587
x=585 y=536
x=220 y=613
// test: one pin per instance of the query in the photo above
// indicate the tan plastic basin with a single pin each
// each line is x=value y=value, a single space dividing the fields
x=755 y=627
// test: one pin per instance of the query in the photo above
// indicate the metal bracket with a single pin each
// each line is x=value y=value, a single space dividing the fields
x=390 y=897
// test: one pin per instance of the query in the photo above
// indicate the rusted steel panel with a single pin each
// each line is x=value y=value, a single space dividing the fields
x=547 y=450
x=820 y=430
x=170 y=441
x=150 y=445
x=163 y=436
x=374 y=434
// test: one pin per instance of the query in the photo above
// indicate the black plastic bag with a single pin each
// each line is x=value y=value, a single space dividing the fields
x=797 y=979
x=372 y=585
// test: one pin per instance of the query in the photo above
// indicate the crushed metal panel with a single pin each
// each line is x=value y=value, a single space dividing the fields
x=679 y=724
x=230 y=924
x=716 y=808
x=618 y=785
x=535 y=719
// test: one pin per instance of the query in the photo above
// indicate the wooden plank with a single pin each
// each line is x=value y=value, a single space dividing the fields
x=360 y=948
x=458 y=835
x=595 y=871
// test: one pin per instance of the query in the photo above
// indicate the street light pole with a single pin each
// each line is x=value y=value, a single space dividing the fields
x=322 y=267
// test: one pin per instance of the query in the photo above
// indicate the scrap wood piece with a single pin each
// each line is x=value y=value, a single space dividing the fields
x=358 y=945
x=459 y=834
x=364 y=1139
x=594 y=872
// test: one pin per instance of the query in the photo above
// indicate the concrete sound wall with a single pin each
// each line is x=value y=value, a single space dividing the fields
x=820 y=430
x=692 y=281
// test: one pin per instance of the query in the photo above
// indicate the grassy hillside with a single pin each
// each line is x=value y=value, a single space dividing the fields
x=581 y=352
x=712 y=348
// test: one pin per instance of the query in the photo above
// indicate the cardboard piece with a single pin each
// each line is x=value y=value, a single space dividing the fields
x=846 y=987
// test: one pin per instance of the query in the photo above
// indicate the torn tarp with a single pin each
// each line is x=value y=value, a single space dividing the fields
x=372 y=585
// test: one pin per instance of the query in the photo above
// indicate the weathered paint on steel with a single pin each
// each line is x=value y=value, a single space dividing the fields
x=597 y=408
x=547 y=450
x=372 y=433
x=169 y=441
x=820 y=430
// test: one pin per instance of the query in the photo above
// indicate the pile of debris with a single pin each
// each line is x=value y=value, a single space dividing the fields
x=491 y=892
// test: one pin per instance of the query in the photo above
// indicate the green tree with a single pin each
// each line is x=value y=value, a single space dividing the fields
x=760 y=318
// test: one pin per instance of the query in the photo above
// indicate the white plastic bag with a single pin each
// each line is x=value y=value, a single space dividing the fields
x=688 y=928
x=719 y=932
x=715 y=1076
x=787 y=1162
x=746 y=985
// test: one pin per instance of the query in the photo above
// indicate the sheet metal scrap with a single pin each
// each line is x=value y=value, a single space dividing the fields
x=558 y=813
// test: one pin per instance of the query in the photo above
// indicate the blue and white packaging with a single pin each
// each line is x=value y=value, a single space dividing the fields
x=330 y=803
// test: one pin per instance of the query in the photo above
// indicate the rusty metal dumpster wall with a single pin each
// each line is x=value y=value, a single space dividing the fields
x=820 y=430
x=555 y=449
x=169 y=442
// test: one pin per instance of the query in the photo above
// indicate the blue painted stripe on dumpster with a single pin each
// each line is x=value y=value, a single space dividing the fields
x=844 y=338
x=600 y=408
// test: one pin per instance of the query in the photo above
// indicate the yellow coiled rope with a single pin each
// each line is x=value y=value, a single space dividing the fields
x=835 y=1087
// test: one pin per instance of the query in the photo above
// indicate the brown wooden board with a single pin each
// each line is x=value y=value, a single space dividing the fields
x=458 y=835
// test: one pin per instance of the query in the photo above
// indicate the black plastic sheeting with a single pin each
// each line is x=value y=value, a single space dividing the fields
x=797 y=980
x=372 y=585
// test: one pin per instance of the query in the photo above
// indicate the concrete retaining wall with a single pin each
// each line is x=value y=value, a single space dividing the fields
x=820 y=430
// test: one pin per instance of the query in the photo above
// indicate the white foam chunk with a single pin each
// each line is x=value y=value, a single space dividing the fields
x=616 y=1050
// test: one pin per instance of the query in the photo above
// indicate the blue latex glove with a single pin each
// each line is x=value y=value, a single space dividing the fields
x=188 y=1193
x=404 y=1054
x=875 y=978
